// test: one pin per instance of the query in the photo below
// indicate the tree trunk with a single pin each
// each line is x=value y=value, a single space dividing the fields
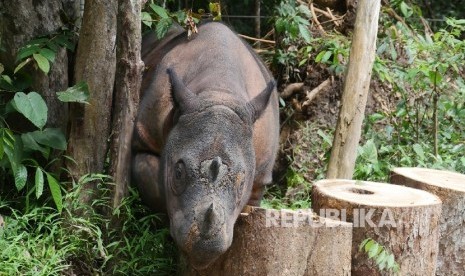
x=403 y=220
x=450 y=188
x=128 y=79
x=356 y=85
x=284 y=242
x=95 y=64
x=25 y=20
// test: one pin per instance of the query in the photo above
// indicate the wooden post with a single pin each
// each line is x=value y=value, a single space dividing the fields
x=284 y=242
x=403 y=220
x=450 y=188
x=354 y=97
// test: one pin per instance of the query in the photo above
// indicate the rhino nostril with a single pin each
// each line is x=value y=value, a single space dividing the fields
x=215 y=168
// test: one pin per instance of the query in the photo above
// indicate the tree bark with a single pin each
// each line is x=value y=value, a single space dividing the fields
x=450 y=188
x=403 y=220
x=356 y=85
x=128 y=80
x=95 y=64
x=284 y=242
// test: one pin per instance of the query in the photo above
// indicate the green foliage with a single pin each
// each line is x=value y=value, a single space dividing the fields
x=378 y=253
x=292 y=27
x=161 y=19
x=334 y=52
x=79 y=93
x=43 y=50
x=42 y=241
x=426 y=74
x=26 y=156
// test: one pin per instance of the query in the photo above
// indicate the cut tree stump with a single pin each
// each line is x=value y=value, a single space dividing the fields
x=284 y=242
x=403 y=220
x=450 y=188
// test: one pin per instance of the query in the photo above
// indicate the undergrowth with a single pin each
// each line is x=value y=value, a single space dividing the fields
x=42 y=241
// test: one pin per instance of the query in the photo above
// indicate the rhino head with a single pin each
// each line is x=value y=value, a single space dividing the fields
x=208 y=167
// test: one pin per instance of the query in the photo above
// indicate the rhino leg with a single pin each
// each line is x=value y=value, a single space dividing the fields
x=145 y=169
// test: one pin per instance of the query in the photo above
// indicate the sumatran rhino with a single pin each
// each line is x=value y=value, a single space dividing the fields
x=206 y=135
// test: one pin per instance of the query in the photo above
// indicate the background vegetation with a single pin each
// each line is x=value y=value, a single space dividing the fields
x=414 y=118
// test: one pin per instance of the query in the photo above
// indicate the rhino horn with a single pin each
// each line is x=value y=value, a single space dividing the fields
x=182 y=96
x=260 y=102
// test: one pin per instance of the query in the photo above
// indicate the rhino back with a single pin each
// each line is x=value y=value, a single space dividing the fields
x=216 y=64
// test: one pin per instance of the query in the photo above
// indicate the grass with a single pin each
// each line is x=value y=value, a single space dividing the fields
x=45 y=242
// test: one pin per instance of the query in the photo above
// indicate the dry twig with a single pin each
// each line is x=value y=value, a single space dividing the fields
x=312 y=94
x=256 y=39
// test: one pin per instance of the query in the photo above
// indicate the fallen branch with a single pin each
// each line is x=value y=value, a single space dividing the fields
x=256 y=39
x=291 y=89
x=312 y=94
x=315 y=19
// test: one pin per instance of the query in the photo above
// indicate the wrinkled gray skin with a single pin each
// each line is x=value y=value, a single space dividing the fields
x=206 y=135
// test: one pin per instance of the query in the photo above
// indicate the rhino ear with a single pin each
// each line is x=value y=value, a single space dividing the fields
x=184 y=98
x=258 y=104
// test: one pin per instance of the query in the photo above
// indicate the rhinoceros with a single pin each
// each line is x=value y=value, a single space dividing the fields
x=206 y=135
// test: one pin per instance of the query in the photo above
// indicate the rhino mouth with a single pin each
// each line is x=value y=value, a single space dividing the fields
x=207 y=242
x=205 y=252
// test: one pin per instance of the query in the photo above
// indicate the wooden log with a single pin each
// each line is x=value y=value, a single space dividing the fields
x=284 y=242
x=403 y=220
x=450 y=188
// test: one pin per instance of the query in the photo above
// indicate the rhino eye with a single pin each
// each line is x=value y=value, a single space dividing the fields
x=179 y=170
x=179 y=184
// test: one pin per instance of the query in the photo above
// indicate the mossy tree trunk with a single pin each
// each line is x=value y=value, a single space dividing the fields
x=96 y=65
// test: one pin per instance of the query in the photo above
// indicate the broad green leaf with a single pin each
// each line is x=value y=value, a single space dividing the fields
x=419 y=151
x=304 y=10
x=373 y=250
x=78 y=93
x=369 y=152
x=381 y=257
x=159 y=11
x=32 y=106
x=363 y=243
x=305 y=33
x=55 y=190
x=390 y=261
x=20 y=177
x=21 y=65
x=30 y=143
x=42 y=62
x=39 y=181
x=326 y=56
x=64 y=40
x=368 y=245
x=163 y=26
x=48 y=54
x=280 y=25
x=52 y=137
x=27 y=52
x=146 y=19
x=405 y=9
